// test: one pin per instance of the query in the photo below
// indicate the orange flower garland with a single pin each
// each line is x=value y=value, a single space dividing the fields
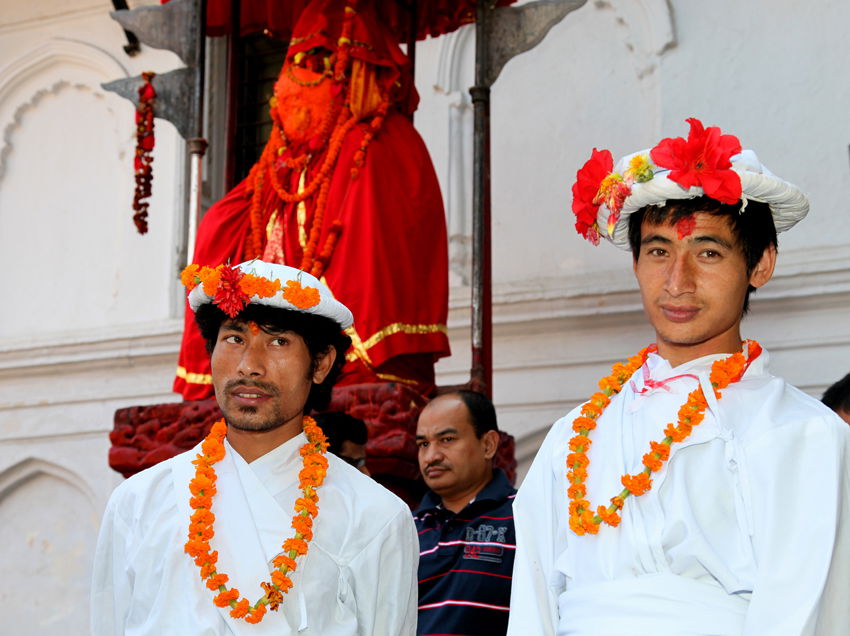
x=582 y=518
x=232 y=289
x=301 y=297
x=276 y=166
x=203 y=488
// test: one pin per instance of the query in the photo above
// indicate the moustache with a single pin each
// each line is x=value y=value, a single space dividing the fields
x=270 y=389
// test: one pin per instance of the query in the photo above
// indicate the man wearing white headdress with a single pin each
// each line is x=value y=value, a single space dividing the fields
x=258 y=530
x=695 y=493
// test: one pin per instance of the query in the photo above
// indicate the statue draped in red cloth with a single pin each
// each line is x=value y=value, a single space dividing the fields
x=344 y=189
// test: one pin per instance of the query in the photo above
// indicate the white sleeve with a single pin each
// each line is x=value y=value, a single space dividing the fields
x=384 y=579
x=536 y=582
x=800 y=492
x=111 y=583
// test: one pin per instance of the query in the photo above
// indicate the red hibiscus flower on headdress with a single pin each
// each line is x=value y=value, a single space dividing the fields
x=585 y=204
x=703 y=160
x=229 y=297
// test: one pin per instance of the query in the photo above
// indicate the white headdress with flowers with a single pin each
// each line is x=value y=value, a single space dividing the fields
x=232 y=288
x=708 y=163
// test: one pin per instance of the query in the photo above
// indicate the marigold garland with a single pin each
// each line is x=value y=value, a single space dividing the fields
x=282 y=170
x=301 y=297
x=143 y=160
x=231 y=288
x=582 y=518
x=203 y=489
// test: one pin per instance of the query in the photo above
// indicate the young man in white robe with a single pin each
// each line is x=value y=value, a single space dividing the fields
x=696 y=493
x=274 y=535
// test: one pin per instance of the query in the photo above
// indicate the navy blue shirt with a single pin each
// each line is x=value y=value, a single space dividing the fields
x=466 y=561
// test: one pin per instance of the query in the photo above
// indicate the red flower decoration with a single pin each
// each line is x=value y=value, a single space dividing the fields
x=703 y=160
x=588 y=179
x=230 y=298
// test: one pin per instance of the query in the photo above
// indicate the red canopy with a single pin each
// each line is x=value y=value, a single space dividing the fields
x=433 y=17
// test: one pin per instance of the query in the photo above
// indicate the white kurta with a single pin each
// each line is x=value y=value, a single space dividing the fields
x=746 y=529
x=358 y=577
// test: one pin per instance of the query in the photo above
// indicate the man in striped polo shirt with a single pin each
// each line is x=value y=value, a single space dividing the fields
x=465 y=522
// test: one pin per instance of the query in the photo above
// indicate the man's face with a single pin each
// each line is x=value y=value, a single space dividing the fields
x=452 y=459
x=693 y=288
x=262 y=379
x=354 y=454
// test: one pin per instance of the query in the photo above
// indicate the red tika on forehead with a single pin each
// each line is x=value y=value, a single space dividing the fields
x=685 y=226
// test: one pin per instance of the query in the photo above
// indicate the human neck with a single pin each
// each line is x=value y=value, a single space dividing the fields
x=254 y=444
x=457 y=501
x=679 y=354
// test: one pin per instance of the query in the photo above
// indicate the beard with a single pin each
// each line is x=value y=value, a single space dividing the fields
x=253 y=418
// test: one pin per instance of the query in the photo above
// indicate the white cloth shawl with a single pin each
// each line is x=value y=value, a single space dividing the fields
x=745 y=530
x=358 y=577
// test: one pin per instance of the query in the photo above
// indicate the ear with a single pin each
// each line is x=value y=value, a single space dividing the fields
x=490 y=439
x=324 y=365
x=763 y=271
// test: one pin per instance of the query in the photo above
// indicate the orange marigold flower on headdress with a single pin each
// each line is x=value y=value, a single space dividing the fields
x=258 y=286
x=301 y=297
x=189 y=276
x=210 y=278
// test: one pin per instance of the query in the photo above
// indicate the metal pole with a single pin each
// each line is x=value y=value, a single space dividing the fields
x=197 y=144
x=481 y=373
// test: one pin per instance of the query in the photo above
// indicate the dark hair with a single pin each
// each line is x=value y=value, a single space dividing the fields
x=481 y=410
x=837 y=397
x=752 y=228
x=319 y=334
x=340 y=427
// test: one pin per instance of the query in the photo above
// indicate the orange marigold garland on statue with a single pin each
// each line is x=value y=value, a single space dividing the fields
x=143 y=160
x=582 y=518
x=203 y=489
x=277 y=161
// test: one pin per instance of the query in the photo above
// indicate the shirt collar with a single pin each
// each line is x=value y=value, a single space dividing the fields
x=497 y=488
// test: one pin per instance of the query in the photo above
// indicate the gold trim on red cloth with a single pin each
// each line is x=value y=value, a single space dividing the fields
x=360 y=347
x=193 y=378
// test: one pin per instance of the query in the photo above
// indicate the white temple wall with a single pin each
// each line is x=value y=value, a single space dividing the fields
x=91 y=319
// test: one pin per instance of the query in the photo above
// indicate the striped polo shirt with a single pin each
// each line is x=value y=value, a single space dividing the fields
x=466 y=561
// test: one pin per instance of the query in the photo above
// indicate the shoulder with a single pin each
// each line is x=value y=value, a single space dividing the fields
x=768 y=405
x=148 y=493
x=358 y=497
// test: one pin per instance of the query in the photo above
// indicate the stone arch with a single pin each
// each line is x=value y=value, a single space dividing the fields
x=51 y=67
x=48 y=528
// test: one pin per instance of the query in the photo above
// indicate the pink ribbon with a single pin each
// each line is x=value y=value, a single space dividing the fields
x=649 y=384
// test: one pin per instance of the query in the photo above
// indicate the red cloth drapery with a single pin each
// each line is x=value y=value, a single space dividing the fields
x=433 y=17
